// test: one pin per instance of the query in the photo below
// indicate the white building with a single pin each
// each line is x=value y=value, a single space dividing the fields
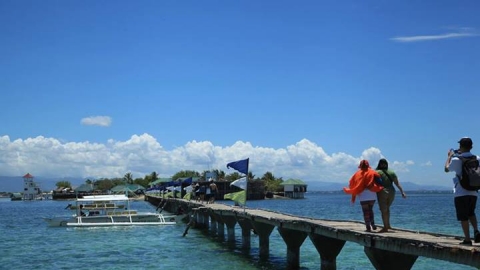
x=31 y=190
x=294 y=188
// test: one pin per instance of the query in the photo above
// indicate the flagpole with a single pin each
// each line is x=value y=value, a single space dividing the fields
x=246 y=187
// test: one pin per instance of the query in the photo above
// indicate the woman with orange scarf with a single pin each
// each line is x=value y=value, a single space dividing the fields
x=363 y=184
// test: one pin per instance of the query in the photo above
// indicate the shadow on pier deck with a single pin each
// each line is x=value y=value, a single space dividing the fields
x=396 y=250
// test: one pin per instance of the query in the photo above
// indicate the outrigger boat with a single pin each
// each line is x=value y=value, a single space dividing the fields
x=109 y=210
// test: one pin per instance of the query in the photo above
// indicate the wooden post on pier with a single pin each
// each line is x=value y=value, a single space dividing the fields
x=294 y=239
x=220 y=226
x=263 y=230
x=328 y=248
x=213 y=225
x=206 y=220
x=384 y=259
x=247 y=227
x=230 y=221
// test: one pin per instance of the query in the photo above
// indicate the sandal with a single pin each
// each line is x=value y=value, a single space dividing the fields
x=466 y=243
x=476 y=239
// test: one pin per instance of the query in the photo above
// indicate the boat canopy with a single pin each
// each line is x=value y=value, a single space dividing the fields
x=119 y=197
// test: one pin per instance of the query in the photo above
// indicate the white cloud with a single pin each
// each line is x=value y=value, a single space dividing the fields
x=398 y=166
x=103 y=121
x=143 y=154
x=407 y=39
x=427 y=164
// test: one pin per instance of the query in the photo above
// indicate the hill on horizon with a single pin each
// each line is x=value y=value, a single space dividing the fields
x=407 y=186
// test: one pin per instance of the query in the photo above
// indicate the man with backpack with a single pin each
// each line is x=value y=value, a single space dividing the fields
x=462 y=162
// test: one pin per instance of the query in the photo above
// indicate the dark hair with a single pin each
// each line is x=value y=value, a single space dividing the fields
x=382 y=164
x=466 y=143
x=364 y=165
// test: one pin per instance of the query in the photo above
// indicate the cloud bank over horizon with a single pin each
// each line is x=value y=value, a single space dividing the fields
x=143 y=154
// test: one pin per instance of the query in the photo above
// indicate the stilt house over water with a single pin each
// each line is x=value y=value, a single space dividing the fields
x=294 y=188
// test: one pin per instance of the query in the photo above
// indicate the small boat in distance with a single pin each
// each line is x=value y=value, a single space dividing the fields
x=108 y=210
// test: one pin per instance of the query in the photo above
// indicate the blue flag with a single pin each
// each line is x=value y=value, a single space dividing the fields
x=187 y=181
x=241 y=165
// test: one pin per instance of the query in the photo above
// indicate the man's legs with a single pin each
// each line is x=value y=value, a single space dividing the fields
x=465 y=210
x=476 y=233
x=466 y=229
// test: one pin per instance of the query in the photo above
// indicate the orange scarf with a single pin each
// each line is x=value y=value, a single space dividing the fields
x=361 y=180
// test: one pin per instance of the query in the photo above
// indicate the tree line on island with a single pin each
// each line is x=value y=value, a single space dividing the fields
x=271 y=183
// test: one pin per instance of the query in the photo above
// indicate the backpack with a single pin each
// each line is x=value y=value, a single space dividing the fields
x=470 y=179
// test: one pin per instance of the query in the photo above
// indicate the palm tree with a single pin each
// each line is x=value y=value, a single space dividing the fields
x=128 y=178
x=153 y=176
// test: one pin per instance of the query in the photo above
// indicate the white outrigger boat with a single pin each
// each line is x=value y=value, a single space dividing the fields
x=107 y=210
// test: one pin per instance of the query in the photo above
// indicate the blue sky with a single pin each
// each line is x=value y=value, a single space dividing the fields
x=305 y=90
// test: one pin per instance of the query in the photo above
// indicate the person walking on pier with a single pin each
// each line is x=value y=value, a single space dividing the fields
x=213 y=191
x=387 y=195
x=465 y=200
x=364 y=186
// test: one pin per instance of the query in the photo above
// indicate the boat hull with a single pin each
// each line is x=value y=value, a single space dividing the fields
x=117 y=220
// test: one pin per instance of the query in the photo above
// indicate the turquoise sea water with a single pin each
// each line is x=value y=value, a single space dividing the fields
x=27 y=243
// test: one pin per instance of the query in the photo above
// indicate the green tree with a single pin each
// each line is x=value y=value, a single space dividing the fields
x=119 y=181
x=184 y=174
x=150 y=178
x=233 y=176
x=221 y=174
x=128 y=178
x=63 y=184
x=103 y=184
x=271 y=183
x=153 y=176
x=142 y=181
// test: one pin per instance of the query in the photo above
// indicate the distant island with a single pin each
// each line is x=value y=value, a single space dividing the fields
x=15 y=184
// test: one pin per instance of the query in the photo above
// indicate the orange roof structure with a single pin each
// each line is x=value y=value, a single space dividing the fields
x=28 y=175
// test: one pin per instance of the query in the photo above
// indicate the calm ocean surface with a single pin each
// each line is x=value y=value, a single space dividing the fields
x=27 y=243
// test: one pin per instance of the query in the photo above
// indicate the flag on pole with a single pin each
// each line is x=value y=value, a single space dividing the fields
x=174 y=188
x=240 y=165
x=239 y=197
x=187 y=181
x=187 y=196
x=241 y=183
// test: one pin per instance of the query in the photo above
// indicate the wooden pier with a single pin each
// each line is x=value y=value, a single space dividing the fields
x=394 y=250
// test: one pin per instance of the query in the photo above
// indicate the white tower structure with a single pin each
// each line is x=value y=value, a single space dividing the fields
x=31 y=190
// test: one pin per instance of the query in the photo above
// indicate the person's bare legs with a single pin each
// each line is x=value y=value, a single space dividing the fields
x=473 y=221
x=386 y=222
x=466 y=229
